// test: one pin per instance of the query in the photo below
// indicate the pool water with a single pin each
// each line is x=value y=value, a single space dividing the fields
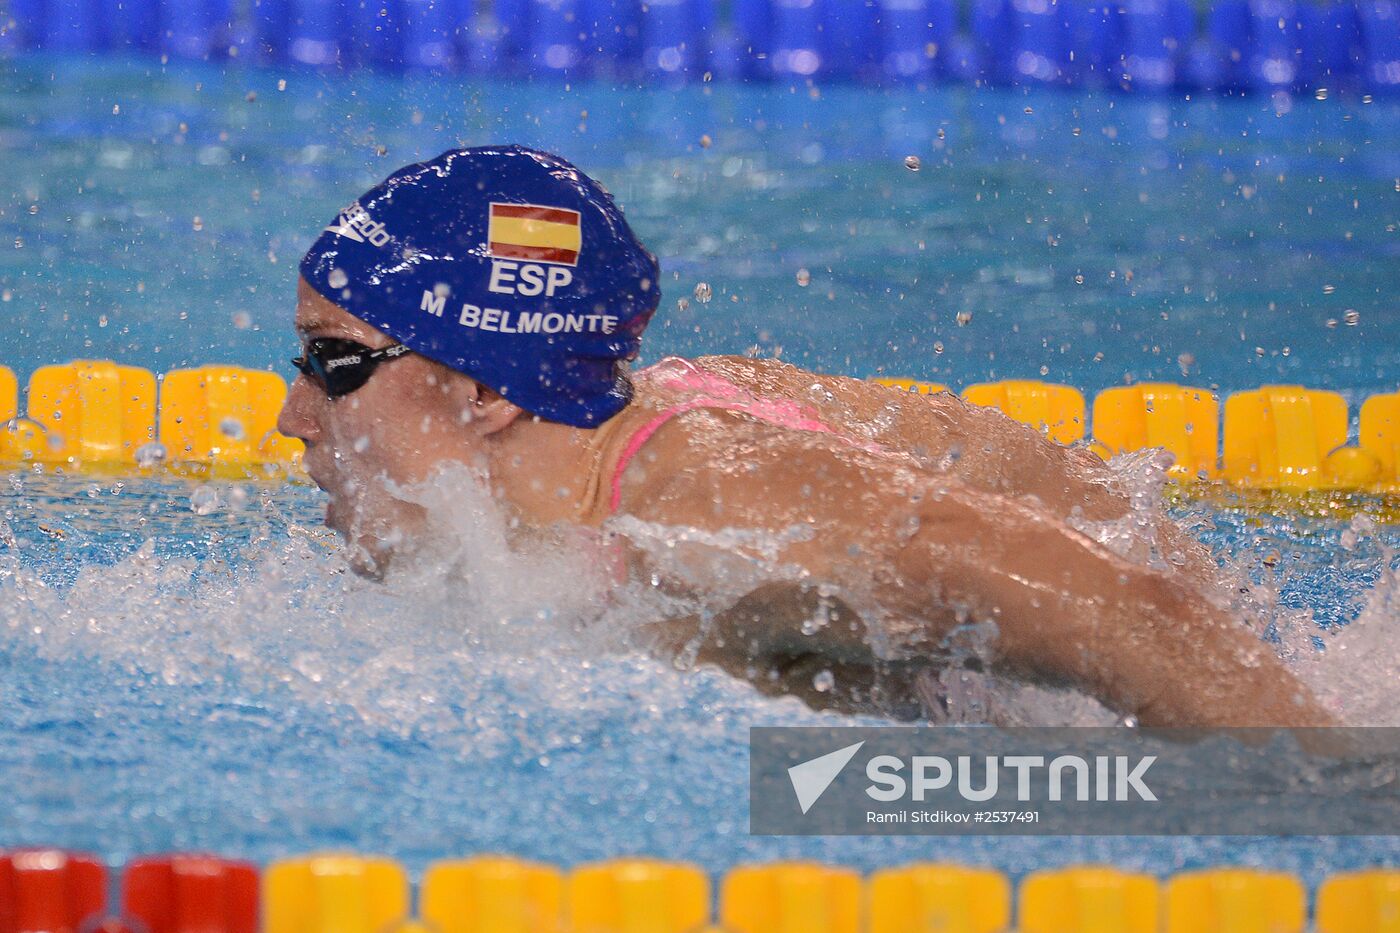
x=187 y=666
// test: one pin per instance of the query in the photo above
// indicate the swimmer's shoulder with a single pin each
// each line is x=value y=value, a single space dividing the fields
x=777 y=377
x=761 y=377
x=847 y=404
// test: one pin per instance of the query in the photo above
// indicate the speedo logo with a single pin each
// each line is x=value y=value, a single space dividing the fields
x=355 y=358
x=356 y=224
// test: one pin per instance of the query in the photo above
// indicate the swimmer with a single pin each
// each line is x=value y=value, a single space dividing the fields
x=482 y=308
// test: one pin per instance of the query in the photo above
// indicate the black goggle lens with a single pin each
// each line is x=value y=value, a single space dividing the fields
x=342 y=366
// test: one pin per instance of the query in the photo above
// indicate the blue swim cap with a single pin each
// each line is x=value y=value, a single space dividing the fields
x=504 y=263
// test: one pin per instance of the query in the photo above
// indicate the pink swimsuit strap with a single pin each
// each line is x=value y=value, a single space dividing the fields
x=715 y=392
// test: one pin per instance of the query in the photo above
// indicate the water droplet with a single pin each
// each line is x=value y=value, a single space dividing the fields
x=198 y=223
x=19 y=242
x=804 y=278
x=964 y=318
x=362 y=442
x=33 y=208
x=1320 y=93
x=1328 y=289
x=150 y=455
x=682 y=304
x=231 y=428
x=1079 y=279
x=116 y=109
x=204 y=500
x=703 y=293
x=824 y=681
x=282 y=84
x=938 y=346
x=242 y=320
x=102 y=320
x=912 y=163
x=1352 y=317
x=337 y=278
x=706 y=142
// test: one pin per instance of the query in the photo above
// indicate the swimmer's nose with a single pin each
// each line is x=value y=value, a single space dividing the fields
x=297 y=418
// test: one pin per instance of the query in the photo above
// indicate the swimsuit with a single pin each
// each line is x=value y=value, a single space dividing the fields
x=709 y=391
x=714 y=391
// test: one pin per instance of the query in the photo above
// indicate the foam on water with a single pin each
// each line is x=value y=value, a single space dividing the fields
x=478 y=603
x=1357 y=673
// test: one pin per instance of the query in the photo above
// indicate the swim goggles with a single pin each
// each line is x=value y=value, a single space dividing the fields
x=342 y=366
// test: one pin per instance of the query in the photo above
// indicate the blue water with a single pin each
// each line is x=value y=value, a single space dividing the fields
x=1215 y=228
x=174 y=680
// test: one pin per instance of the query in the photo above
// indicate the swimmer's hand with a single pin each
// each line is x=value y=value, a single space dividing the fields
x=1143 y=641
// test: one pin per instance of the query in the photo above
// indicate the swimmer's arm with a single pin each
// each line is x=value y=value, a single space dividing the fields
x=1011 y=459
x=1064 y=605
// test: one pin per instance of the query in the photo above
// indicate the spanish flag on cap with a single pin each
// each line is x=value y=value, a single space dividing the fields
x=535 y=233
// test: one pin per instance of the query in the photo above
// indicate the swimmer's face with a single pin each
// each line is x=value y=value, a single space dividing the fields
x=412 y=416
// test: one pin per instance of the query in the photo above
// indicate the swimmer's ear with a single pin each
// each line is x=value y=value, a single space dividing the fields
x=478 y=407
x=488 y=412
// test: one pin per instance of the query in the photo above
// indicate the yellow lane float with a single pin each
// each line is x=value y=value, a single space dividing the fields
x=1056 y=411
x=1359 y=902
x=492 y=895
x=221 y=421
x=1182 y=420
x=949 y=898
x=637 y=896
x=1088 y=899
x=224 y=418
x=790 y=897
x=91 y=413
x=1235 y=900
x=334 y=894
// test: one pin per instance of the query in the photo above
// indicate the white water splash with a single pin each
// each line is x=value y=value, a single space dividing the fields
x=1357 y=674
x=483 y=613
